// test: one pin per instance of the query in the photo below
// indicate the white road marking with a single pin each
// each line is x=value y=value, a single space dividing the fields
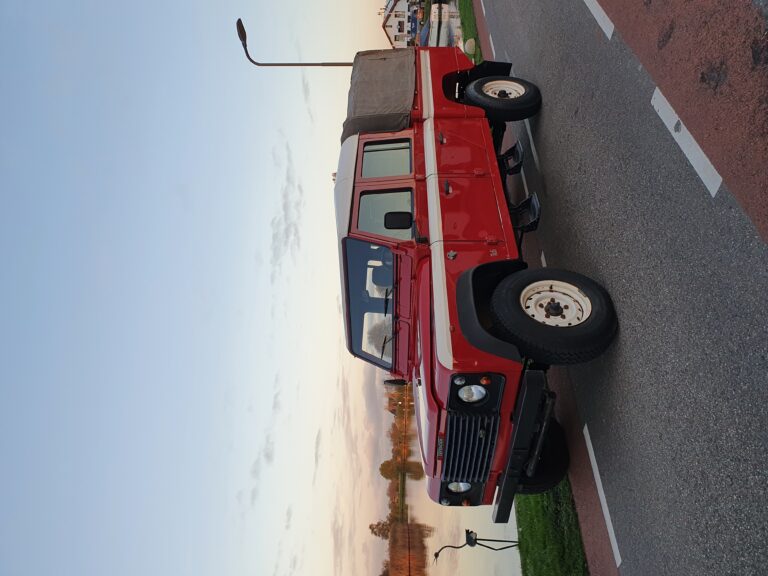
x=527 y=126
x=601 y=494
x=543 y=260
x=602 y=18
x=704 y=168
x=525 y=182
x=506 y=56
x=482 y=5
x=533 y=146
x=493 y=50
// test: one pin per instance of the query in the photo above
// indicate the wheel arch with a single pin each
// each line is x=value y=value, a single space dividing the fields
x=473 y=303
x=454 y=83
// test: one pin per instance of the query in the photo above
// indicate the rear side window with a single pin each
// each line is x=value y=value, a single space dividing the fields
x=375 y=205
x=383 y=159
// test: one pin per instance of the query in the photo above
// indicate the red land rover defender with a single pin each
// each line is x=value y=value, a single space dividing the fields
x=435 y=290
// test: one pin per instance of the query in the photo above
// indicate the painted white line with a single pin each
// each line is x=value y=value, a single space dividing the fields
x=482 y=5
x=525 y=182
x=704 y=168
x=601 y=494
x=527 y=127
x=493 y=50
x=533 y=146
x=506 y=56
x=543 y=260
x=602 y=18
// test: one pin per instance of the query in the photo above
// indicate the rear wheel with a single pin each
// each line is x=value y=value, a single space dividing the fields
x=504 y=98
x=554 y=316
x=553 y=463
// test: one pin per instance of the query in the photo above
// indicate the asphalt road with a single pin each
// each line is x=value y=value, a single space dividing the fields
x=677 y=407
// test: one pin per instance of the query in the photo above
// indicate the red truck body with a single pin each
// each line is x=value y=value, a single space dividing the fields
x=422 y=213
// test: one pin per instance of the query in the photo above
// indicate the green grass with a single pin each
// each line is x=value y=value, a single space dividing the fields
x=427 y=11
x=469 y=27
x=549 y=535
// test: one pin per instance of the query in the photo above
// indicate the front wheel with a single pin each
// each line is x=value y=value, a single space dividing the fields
x=504 y=98
x=554 y=316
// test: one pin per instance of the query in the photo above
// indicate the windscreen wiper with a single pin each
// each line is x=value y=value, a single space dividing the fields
x=386 y=341
x=387 y=292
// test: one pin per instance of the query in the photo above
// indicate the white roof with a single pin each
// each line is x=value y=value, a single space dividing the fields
x=345 y=183
x=342 y=197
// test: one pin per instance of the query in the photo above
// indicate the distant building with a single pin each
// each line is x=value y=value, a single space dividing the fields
x=400 y=22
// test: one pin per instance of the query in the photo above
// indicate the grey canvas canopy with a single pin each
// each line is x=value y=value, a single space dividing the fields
x=381 y=91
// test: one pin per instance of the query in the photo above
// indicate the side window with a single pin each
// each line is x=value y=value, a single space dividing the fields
x=383 y=159
x=375 y=205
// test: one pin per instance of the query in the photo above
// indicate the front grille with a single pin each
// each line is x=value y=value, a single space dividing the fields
x=470 y=440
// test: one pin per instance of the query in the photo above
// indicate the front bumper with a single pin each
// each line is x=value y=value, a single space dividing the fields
x=526 y=417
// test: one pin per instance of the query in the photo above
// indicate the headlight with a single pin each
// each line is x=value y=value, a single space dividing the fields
x=472 y=393
x=459 y=487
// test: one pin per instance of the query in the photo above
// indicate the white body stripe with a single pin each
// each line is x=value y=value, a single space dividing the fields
x=443 y=346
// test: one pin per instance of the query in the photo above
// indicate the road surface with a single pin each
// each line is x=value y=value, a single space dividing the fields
x=638 y=193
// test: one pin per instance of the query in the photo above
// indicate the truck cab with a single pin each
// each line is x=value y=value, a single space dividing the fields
x=435 y=290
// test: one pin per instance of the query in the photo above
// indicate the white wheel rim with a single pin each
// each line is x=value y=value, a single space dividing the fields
x=555 y=303
x=504 y=89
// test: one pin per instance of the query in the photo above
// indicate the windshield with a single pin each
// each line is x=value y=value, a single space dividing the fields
x=370 y=279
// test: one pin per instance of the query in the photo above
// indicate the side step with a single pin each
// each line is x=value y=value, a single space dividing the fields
x=526 y=214
x=511 y=161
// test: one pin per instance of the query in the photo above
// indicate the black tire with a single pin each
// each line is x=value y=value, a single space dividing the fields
x=549 y=344
x=513 y=106
x=553 y=463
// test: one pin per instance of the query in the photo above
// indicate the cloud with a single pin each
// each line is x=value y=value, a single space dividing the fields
x=318 y=449
x=288 y=518
x=265 y=455
x=339 y=545
x=375 y=403
x=256 y=469
x=269 y=449
x=293 y=566
x=276 y=406
x=286 y=229
x=307 y=98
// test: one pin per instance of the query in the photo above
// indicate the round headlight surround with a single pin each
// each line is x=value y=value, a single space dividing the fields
x=459 y=487
x=472 y=393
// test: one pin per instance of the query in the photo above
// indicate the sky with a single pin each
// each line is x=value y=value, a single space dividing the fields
x=175 y=394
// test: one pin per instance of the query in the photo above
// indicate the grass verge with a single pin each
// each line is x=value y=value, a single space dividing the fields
x=549 y=535
x=427 y=11
x=469 y=28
